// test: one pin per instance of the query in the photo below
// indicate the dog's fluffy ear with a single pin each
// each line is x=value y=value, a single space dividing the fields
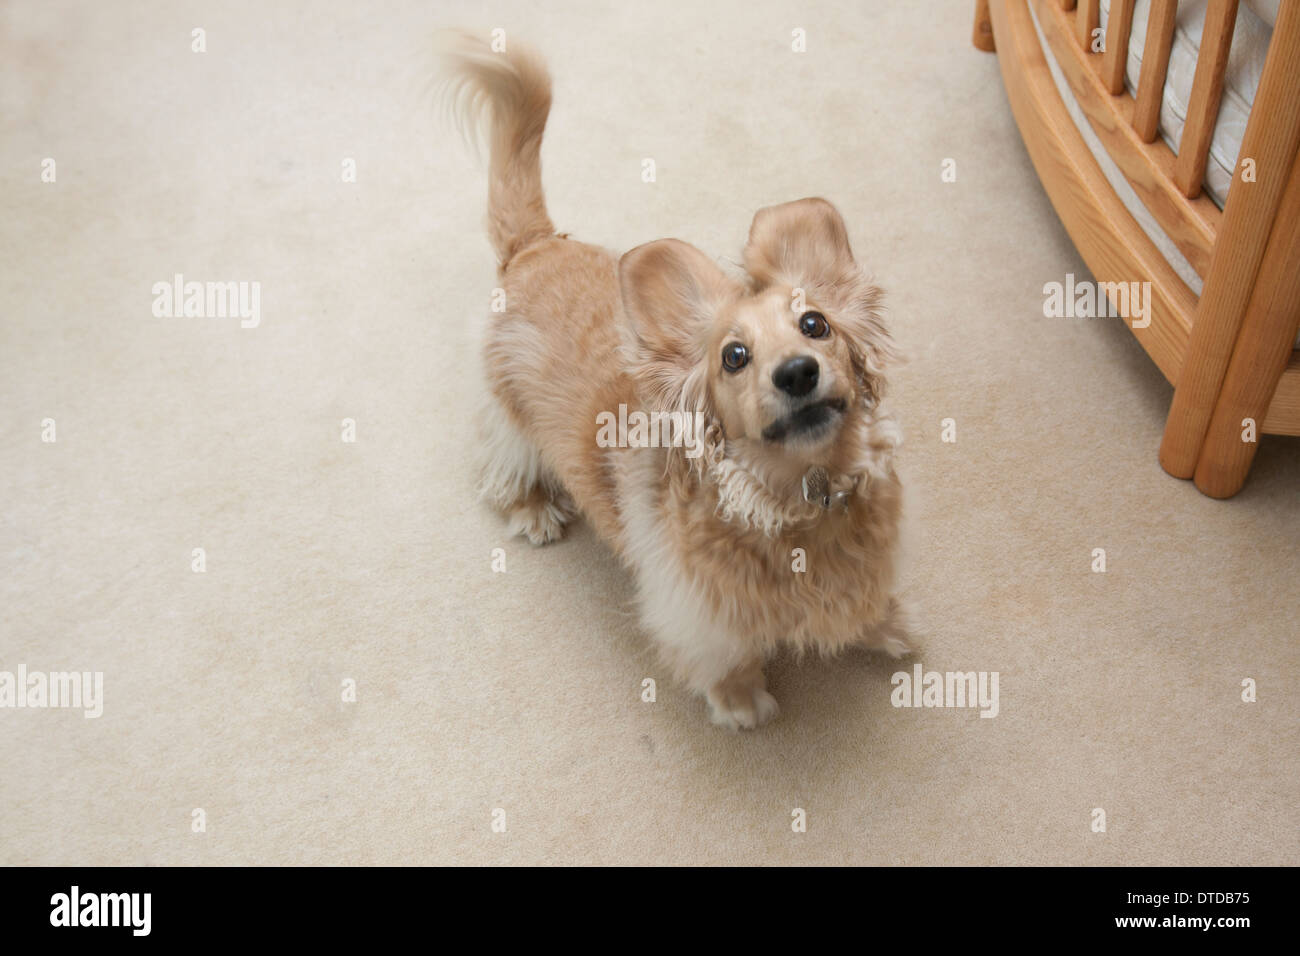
x=801 y=243
x=804 y=244
x=671 y=291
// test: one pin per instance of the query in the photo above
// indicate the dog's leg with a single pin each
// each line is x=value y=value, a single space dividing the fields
x=726 y=671
x=890 y=634
x=517 y=483
x=700 y=649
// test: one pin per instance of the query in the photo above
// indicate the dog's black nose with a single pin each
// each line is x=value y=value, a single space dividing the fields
x=796 y=376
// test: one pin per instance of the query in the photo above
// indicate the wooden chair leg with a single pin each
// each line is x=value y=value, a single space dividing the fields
x=1270 y=141
x=982 y=36
x=1261 y=354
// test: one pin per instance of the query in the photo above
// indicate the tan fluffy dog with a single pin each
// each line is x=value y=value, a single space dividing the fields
x=778 y=525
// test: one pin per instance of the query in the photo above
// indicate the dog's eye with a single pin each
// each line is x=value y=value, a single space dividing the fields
x=734 y=357
x=814 y=325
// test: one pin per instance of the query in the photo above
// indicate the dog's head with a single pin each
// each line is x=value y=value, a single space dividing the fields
x=781 y=364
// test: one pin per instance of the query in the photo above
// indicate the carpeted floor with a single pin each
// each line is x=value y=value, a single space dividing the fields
x=329 y=561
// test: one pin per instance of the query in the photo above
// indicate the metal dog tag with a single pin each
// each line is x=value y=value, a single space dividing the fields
x=817 y=487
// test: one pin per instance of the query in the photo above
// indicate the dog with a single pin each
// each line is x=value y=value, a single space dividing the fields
x=776 y=524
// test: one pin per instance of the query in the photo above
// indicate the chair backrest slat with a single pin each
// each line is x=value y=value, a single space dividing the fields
x=1118 y=27
x=1207 y=88
x=1155 y=64
x=1086 y=19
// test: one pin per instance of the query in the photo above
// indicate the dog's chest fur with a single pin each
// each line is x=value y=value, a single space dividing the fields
x=819 y=586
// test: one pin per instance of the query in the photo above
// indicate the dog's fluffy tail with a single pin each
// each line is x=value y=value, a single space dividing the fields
x=511 y=91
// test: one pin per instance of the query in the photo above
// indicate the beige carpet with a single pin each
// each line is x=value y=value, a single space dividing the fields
x=370 y=561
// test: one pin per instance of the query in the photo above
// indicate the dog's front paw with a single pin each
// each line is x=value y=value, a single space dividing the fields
x=891 y=644
x=891 y=634
x=741 y=703
x=540 y=520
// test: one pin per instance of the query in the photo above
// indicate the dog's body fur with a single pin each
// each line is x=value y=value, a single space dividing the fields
x=716 y=543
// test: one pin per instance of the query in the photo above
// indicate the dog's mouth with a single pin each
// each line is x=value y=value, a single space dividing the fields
x=809 y=422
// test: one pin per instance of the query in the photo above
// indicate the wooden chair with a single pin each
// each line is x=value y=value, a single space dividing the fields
x=1229 y=353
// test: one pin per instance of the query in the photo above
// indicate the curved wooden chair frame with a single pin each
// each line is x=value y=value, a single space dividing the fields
x=1228 y=353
